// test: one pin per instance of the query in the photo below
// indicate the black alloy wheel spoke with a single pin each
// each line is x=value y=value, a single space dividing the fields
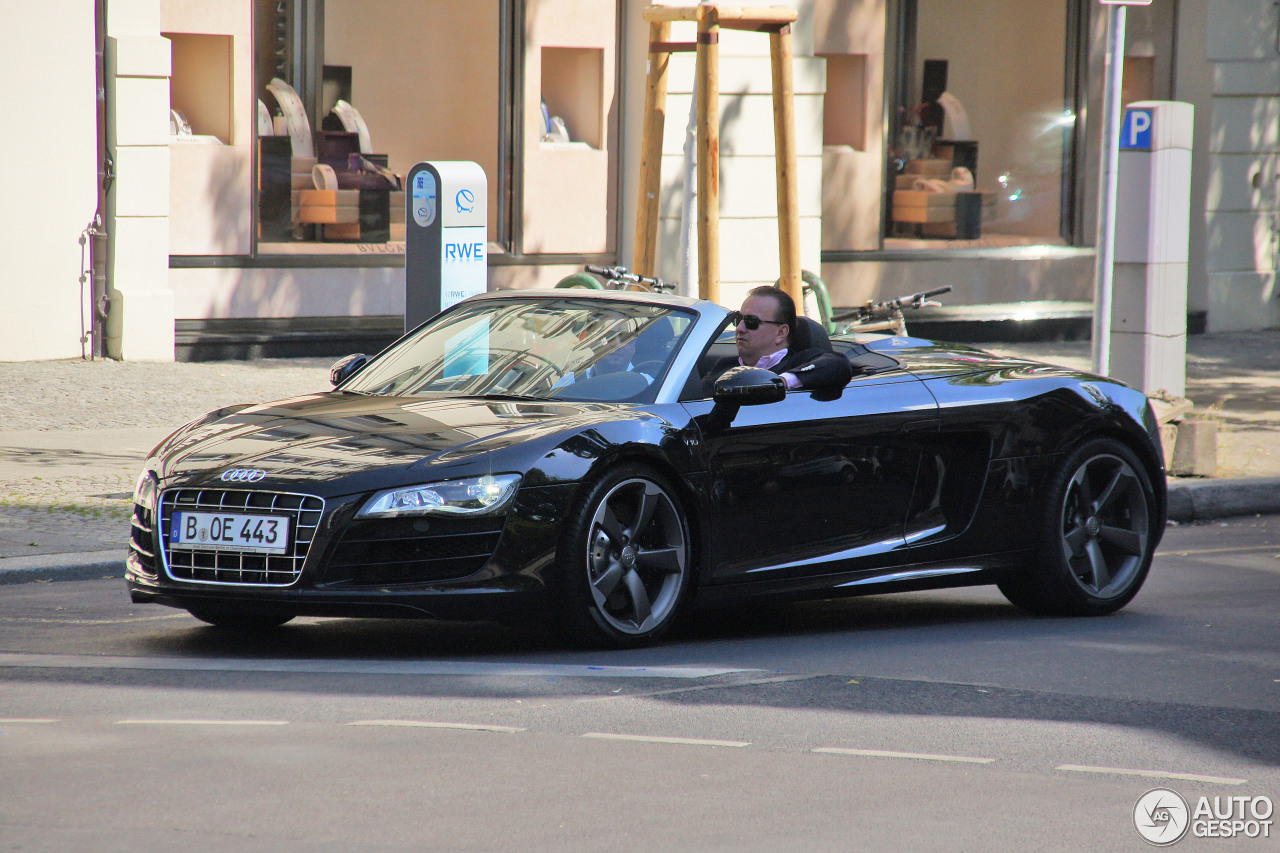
x=1084 y=494
x=1075 y=540
x=649 y=497
x=666 y=560
x=1129 y=541
x=1098 y=565
x=640 y=603
x=612 y=528
x=1117 y=488
x=608 y=581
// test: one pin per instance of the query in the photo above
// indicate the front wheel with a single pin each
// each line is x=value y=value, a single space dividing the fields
x=1096 y=535
x=625 y=560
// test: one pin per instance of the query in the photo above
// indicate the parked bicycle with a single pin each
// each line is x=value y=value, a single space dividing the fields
x=616 y=278
x=886 y=316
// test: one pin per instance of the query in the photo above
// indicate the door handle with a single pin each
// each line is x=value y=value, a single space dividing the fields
x=918 y=426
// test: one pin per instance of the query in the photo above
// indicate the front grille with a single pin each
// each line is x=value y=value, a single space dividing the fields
x=400 y=551
x=202 y=565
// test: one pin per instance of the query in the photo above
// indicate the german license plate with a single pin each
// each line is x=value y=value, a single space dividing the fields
x=230 y=531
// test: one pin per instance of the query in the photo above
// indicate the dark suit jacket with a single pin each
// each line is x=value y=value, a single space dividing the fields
x=814 y=368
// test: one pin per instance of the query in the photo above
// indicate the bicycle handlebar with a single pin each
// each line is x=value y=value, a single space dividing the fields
x=621 y=274
x=913 y=300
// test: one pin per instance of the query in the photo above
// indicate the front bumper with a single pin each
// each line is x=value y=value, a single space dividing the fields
x=411 y=567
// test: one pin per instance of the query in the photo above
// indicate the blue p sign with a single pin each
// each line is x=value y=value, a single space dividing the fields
x=1135 y=133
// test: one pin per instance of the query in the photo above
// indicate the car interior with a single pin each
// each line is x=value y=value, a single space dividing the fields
x=809 y=334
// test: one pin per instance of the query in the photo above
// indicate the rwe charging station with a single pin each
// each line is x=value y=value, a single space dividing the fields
x=446 y=237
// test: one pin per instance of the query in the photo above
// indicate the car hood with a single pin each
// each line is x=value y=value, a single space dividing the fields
x=343 y=443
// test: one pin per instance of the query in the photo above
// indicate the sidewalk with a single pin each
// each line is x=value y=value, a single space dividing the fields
x=74 y=434
x=73 y=437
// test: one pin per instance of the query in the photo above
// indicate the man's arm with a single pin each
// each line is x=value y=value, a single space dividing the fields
x=816 y=368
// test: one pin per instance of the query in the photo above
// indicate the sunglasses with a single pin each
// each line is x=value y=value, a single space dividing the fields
x=751 y=321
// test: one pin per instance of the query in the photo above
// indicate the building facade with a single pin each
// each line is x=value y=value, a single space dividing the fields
x=239 y=157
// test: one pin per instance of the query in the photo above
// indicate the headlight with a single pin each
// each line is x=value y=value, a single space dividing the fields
x=470 y=496
x=144 y=493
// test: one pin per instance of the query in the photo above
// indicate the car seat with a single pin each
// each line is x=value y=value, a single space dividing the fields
x=809 y=334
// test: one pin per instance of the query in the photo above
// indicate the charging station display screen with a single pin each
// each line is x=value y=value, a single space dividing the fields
x=422 y=197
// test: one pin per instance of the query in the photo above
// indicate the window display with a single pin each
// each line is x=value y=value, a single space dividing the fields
x=358 y=116
x=981 y=144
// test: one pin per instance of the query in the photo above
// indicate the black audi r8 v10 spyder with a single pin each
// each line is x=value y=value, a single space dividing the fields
x=555 y=455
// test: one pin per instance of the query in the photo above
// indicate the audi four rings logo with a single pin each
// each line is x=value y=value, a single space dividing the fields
x=243 y=475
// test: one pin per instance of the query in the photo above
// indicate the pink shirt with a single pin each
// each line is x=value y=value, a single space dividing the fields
x=768 y=361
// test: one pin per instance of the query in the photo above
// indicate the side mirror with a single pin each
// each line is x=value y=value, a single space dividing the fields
x=742 y=386
x=346 y=367
x=749 y=386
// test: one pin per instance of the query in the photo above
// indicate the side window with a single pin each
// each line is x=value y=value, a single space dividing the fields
x=721 y=347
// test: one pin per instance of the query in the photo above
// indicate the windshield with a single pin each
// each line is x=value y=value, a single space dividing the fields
x=560 y=348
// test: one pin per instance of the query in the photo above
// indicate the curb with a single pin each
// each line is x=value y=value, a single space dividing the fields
x=92 y=565
x=1200 y=500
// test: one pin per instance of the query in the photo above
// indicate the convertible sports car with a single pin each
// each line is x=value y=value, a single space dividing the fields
x=555 y=455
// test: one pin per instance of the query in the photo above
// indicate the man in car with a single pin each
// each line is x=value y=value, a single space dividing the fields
x=764 y=335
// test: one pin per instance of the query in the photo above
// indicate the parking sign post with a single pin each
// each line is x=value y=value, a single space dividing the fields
x=1116 y=16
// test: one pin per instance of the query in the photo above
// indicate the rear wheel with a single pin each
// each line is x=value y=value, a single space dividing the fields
x=1096 y=535
x=625 y=559
x=240 y=620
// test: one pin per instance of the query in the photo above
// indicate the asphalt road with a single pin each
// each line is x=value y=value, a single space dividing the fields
x=928 y=721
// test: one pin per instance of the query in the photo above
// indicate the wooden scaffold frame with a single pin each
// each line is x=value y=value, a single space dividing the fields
x=710 y=19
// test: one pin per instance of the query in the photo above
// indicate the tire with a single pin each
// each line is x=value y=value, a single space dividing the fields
x=625 y=560
x=238 y=620
x=1096 y=535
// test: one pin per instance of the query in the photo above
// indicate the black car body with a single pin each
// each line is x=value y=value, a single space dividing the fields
x=459 y=474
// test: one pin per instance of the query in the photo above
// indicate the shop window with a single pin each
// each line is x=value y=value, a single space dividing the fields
x=200 y=89
x=466 y=81
x=852 y=163
x=344 y=114
x=981 y=138
x=567 y=192
x=572 y=95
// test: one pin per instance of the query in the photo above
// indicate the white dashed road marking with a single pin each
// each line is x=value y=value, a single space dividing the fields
x=1152 y=774
x=613 y=736
x=918 y=756
x=655 y=739
x=202 y=722
x=423 y=724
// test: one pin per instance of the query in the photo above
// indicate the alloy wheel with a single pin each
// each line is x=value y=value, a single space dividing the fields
x=1105 y=525
x=637 y=556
